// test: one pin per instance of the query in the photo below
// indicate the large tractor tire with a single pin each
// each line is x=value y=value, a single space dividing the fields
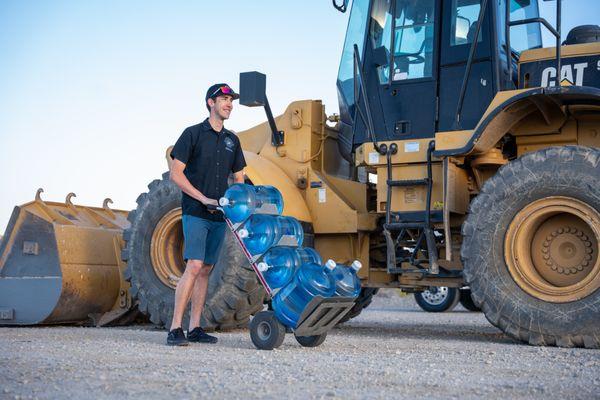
x=530 y=248
x=154 y=256
x=362 y=301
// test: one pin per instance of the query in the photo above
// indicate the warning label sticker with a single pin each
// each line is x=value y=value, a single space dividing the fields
x=374 y=158
x=411 y=147
x=410 y=195
x=322 y=195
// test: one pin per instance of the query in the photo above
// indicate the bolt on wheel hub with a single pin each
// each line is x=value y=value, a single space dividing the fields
x=435 y=295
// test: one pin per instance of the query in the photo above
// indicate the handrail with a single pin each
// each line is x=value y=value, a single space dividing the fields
x=368 y=121
x=473 y=49
x=392 y=43
x=556 y=32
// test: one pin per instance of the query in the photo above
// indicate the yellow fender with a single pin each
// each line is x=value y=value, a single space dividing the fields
x=510 y=108
x=261 y=171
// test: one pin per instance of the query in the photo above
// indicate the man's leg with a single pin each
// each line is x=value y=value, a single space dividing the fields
x=214 y=241
x=184 y=290
x=199 y=296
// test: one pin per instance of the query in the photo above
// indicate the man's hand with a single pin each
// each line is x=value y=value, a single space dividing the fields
x=238 y=177
x=212 y=204
x=206 y=201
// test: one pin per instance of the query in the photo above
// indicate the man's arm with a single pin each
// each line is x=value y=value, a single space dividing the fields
x=179 y=178
x=238 y=177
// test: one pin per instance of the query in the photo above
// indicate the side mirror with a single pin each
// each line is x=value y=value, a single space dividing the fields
x=381 y=56
x=253 y=93
x=253 y=87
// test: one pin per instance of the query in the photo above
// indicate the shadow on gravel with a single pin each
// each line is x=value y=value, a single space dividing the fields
x=452 y=332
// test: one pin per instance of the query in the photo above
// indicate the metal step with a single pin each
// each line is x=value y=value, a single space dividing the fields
x=409 y=182
x=396 y=226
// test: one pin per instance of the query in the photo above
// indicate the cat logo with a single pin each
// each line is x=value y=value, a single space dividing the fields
x=569 y=75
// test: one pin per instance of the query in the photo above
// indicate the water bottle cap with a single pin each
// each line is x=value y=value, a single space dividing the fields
x=262 y=266
x=223 y=201
x=242 y=233
x=330 y=264
x=356 y=265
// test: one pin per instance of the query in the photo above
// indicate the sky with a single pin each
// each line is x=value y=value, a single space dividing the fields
x=93 y=92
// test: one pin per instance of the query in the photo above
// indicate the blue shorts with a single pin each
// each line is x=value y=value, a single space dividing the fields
x=203 y=239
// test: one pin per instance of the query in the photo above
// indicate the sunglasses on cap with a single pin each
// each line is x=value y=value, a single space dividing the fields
x=223 y=89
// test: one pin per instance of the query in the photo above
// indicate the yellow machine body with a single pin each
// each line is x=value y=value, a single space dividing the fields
x=320 y=188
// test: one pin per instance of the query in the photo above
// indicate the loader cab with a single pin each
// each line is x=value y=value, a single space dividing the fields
x=427 y=44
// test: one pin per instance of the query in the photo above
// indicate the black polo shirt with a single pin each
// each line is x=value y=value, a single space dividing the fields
x=209 y=158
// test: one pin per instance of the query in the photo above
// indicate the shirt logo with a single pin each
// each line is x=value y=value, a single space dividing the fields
x=229 y=144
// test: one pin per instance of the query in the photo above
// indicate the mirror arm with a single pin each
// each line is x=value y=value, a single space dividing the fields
x=277 y=136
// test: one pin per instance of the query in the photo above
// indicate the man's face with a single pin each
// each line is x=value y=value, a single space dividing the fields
x=221 y=106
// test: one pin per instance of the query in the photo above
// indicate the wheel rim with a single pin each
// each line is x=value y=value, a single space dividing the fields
x=436 y=295
x=263 y=331
x=551 y=249
x=166 y=248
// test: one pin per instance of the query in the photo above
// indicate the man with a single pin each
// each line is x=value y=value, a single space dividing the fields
x=203 y=157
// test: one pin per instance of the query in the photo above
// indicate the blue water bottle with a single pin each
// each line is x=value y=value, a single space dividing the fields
x=347 y=283
x=259 y=233
x=241 y=200
x=310 y=280
x=308 y=255
x=278 y=265
x=269 y=195
x=289 y=226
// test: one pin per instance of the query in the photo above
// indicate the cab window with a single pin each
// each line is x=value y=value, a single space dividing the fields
x=465 y=14
x=522 y=37
x=355 y=34
x=413 y=37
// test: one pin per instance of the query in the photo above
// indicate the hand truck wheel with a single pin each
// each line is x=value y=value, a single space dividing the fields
x=266 y=332
x=311 y=341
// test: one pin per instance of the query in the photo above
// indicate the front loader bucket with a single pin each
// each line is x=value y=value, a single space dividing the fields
x=60 y=263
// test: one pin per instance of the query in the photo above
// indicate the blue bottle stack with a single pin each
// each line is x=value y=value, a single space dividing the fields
x=296 y=273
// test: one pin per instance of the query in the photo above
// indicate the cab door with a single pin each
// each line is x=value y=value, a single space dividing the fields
x=458 y=30
x=408 y=91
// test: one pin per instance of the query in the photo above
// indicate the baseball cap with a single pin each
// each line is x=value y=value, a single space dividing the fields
x=220 y=89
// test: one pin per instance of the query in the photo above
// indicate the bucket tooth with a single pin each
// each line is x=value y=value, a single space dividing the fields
x=38 y=194
x=106 y=208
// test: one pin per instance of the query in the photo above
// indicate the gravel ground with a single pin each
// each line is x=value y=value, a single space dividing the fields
x=391 y=350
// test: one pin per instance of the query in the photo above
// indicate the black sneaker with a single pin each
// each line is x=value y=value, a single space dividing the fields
x=197 y=335
x=177 y=338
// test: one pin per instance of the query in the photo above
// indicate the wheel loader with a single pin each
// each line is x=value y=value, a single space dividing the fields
x=464 y=154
